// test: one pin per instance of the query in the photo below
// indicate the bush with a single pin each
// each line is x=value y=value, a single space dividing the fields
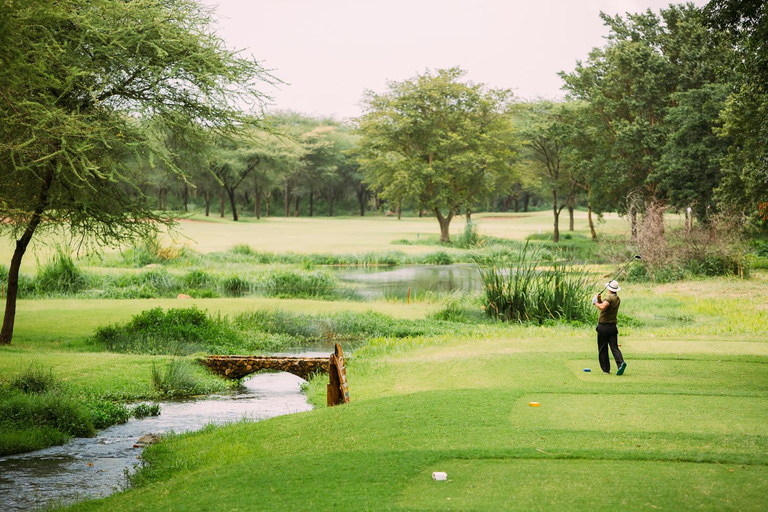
x=60 y=275
x=143 y=410
x=461 y=310
x=105 y=413
x=469 y=238
x=297 y=284
x=438 y=258
x=517 y=290
x=180 y=378
x=53 y=410
x=199 y=279
x=712 y=249
x=242 y=250
x=176 y=331
x=236 y=286
x=37 y=380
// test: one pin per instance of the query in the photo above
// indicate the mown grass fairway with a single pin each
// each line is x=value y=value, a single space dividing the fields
x=683 y=429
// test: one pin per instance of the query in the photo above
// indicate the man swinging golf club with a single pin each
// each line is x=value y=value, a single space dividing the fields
x=607 y=333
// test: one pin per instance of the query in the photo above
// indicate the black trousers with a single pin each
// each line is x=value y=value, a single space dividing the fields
x=608 y=336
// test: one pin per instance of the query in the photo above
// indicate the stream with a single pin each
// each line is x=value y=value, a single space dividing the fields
x=98 y=466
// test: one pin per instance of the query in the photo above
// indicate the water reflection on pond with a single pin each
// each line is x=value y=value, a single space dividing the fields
x=373 y=282
x=94 y=467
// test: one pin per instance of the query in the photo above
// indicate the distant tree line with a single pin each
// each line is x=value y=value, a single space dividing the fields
x=669 y=112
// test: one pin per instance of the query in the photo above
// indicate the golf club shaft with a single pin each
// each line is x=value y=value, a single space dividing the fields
x=636 y=257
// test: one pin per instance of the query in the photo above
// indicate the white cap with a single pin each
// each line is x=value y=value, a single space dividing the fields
x=613 y=286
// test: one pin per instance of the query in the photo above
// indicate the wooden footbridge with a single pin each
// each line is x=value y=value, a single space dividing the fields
x=238 y=367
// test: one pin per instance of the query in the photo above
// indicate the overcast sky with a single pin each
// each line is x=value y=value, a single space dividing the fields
x=328 y=52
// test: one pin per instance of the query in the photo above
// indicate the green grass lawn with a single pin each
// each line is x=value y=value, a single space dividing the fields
x=684 y=429
x=336 y=235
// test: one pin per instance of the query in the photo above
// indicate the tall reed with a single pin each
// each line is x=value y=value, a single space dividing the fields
x=518 y=289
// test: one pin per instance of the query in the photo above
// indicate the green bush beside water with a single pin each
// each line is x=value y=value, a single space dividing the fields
x=37 y=410
x=517 y=290
x=189 y=331
x=180 y=378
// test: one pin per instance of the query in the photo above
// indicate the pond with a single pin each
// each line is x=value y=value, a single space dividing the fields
x=98 y=466
x=375 y=282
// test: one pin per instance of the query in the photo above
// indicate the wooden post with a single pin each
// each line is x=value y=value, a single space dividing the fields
x=337 y=389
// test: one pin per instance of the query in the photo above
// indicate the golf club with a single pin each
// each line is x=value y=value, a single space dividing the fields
x=635 y=257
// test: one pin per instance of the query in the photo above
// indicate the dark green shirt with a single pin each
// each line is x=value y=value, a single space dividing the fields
x=608 y=315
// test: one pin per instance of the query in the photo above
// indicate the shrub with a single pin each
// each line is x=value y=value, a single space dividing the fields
x=199 y=279
x=144 y=410
x=180 y=378
x=176 y=331
x=458 y=309
x=470 y=237
x=35 y=379
x=236 y=286
x=714 y=248
x=517 y=290
x=438 y=258
x=105 y=413
x=60 y=275
x=297 y=284
x=242 y=250
x=53 y=410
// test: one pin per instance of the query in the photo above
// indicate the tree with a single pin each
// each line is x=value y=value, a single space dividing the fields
x=744 y=184
x=544 y=130
x=436 y=141
x=77 y=85
x=650 y=67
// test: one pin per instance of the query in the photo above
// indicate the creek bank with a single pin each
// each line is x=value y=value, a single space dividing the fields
x=99 y=466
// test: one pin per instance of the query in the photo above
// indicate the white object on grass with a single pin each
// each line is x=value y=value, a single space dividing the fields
x=439 y=475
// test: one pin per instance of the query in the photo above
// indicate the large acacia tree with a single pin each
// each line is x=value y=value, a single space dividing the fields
x=79 y=81
x=436 y=141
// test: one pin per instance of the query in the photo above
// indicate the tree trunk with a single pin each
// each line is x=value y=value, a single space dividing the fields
x=312 y=202
x=287 y=201
x=570 y=215
x=526 y=199
x=633 y=222
x=297 y=212
x=556 y=212
x=517 y=204
x=221 y=203
x=445 y=224
x=186 y=197
x=591 y=224
x=6 y=332
x=257 y=203
x=207 y=196
x=361 y=201
x=330 y=206
x=266 y=200
x=469 y=215
x=232 y=202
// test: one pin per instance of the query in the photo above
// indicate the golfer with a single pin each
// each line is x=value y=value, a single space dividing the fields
x=607 y=333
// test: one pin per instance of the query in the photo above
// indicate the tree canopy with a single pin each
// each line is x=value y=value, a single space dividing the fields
x=437 y=142
x=79 y=81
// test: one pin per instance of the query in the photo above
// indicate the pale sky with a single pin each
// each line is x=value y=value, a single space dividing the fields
x=328 y=52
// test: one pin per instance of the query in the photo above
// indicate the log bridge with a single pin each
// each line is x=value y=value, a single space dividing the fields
x=238 y=367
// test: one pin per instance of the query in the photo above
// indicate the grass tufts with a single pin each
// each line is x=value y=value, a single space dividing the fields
x=517 y=290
